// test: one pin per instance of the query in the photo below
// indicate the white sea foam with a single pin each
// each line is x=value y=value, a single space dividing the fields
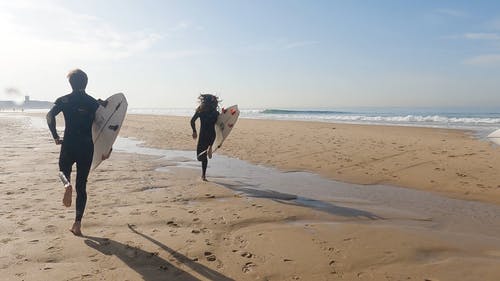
x=444 y=119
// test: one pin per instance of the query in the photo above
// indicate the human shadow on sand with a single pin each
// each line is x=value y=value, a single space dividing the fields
x=197 y=267
x=292 y=199
x=149 y=264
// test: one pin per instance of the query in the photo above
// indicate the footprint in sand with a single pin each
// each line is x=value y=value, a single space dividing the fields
x=246 y=255
x=135 y=213
x=248 y=267
x=54 y=249
x=209 y=256
x=50 y=229
x=172 y=224
x=21 y=257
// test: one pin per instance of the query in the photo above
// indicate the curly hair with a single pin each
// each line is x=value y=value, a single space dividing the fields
x=208 y=102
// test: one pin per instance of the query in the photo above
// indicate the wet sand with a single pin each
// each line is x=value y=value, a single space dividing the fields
x=146 y=224
x=451 y=162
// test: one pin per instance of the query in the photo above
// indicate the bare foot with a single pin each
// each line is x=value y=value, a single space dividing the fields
x=209 y=152
x=67 y=196
x=76 y=229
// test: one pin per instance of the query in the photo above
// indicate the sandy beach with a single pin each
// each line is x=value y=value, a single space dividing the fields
x=142 y=223
x=451 y=162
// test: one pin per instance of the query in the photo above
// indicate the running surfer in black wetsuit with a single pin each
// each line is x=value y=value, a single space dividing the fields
x=77 y=147
x=207 y=112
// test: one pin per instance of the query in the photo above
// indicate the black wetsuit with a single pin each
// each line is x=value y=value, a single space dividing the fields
x=77 y=147
x=207 y=134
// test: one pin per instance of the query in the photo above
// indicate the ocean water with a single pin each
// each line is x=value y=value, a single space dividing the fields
x=471 y=118
x=482 y=120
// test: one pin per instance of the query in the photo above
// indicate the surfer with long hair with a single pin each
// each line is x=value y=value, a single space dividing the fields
x=207 y=112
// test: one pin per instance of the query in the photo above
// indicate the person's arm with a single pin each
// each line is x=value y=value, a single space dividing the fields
x=193 y=126
x=51 y=121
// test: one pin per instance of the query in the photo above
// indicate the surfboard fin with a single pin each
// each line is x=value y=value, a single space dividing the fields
x=113 y=127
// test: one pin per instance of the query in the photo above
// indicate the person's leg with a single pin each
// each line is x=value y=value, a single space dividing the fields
x=201 y=151
x=66 y=161
x=204 y=165
x=211 y=140
x=209 y=152
x=83 y=164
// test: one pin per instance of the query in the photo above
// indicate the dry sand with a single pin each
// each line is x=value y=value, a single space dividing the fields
x=141 y=224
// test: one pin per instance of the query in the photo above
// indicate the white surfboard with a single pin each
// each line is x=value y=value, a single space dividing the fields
x=495 y=137
x=225 y=123
x=107 y=124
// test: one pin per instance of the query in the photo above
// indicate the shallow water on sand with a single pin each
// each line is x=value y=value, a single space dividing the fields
x=385 y=204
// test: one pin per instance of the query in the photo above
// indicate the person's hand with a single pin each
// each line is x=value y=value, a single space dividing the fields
x=58 y=141
x=104 y=103
x=195 y=135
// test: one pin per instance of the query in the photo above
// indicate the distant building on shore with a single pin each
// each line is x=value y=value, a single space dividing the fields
x=26 y=104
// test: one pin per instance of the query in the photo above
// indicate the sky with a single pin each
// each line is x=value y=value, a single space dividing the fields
x=257 y=54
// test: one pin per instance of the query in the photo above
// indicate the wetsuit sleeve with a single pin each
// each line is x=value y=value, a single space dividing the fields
x=195 y=116
x=51 y=118
x=94 y=104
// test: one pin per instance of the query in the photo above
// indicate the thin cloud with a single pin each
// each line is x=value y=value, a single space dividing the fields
x=300 y=44
x=182 y=25
x=174 y=55
x=484 y=60
x=185 y=25
x=81 y=36
x=482 y=36
x=258 y=47
x=277 y=45
x=452 y=13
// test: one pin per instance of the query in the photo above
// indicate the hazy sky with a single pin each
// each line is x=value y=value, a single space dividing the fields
x=256 y=53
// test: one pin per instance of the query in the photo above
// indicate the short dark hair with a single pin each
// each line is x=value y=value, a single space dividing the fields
x=78 y=79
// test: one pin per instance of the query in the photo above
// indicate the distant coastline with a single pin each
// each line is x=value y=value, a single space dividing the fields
x=26 y=104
